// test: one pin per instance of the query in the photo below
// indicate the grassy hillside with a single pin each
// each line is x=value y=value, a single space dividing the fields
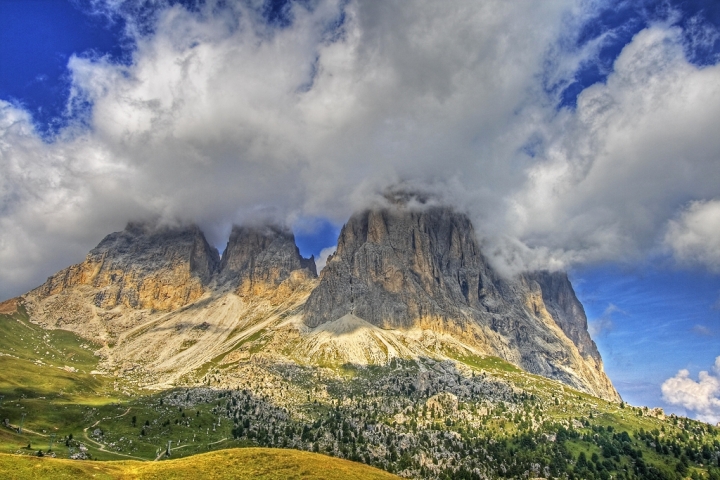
x=246 y=463
x=478 y=417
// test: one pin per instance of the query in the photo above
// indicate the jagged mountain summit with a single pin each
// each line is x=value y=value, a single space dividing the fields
x=404 y=268
x=142 y=267
x=407 y=281
x=262 y=257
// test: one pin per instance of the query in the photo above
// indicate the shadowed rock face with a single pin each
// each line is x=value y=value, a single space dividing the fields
x=143 y=267
x=393 y=267
x=565 y=308
x=262 y=256
x=403 y=268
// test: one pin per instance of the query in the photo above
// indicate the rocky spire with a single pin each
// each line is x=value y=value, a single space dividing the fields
x=563 y=305
x=262 y=256
x=394 y=267
x=421 y=267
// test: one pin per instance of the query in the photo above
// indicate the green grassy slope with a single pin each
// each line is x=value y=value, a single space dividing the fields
x=47 y=386
x=505 y=422
x=245 y=463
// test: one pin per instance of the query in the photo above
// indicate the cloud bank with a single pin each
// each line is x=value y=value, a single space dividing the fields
x=701 y=397
x=222 y=117
x=694 y=237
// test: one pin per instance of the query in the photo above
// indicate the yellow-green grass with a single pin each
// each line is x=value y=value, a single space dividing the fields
x=490 y=363
x=46 y=384
x=23 y=339
x=239 y=463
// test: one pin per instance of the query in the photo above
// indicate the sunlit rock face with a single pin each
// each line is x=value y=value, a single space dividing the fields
x=164 y=268
x=143 y=266
x=421 y=267
x=162 y=303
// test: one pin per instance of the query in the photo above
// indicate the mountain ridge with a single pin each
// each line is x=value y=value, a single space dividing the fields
x=412 y=280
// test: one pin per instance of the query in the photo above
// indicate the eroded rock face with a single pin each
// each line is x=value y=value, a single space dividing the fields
x=394 y=268
x=566 y=310
x=147 y=267
x=404 y=283
x=260 y=258
x=162 y=268
x=400 y=267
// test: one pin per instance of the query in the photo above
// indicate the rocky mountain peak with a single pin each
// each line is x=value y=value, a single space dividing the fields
x=409 y=266
x=566 y=310
x=395 y=266
x=143 y=266
x=408 y=280
x=262 y=255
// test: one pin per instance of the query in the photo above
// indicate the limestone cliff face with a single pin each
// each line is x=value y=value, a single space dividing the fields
x=404 y=282
x=394 y=268
x=258 y=259
x=142 y=267
x=161 y=298
x=404 y=268
x=566 y=310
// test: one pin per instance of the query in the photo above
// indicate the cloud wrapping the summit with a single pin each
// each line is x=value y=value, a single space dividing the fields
x=222 y=118
x=620 y=167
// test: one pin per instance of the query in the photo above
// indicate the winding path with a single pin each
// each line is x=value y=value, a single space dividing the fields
x=102 y=446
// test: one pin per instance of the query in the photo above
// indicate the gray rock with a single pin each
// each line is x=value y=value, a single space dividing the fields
x=143 y=266
x=402 y=267
x=567 y=311
x=397 y=267
x=164 y=268
x=262 y=255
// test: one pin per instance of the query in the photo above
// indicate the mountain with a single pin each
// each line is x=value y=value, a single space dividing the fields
x=405 y=282
x=409 y=353
x=257 y=259
x=400 y=268
x=163 y=304
x=142 y=267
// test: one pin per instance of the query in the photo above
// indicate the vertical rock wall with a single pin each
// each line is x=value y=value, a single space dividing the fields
x=402 y=267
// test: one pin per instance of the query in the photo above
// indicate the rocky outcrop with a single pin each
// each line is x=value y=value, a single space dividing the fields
x=400 y=267
x=395 y=267
x=163 y=268
x=143 y=266
x=405 y=282
x=566 y=310
x=258 y=259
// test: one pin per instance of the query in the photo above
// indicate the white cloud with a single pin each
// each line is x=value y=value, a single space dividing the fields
x=614 y=171
x=220 y=118
x=604 y=324
x=323 y=257
x=599 y=327
x=701 y=397
x=694 y=236
x=702 y=330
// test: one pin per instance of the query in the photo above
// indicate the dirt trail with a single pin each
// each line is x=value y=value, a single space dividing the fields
x=25 y=430
x=101 y=446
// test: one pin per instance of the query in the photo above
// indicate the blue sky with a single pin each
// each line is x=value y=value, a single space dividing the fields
x=649 y=322
x=577 y=134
